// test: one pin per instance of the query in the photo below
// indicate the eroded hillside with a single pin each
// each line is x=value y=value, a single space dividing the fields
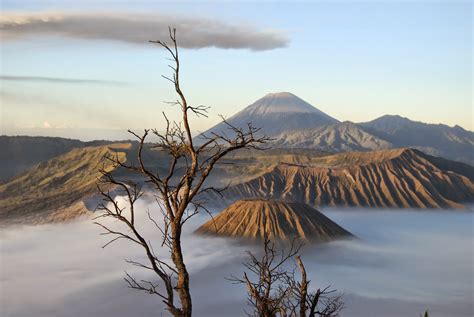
x=253 y=218
x=394 y=178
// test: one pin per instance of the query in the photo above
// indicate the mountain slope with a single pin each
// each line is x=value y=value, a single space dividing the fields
x=393 y=178
x=436 y=139
x=339 y=137
x=19 y=153
x=276 y=113
x=281 y=220
x=22 y=152
x=293 y=123
x=55 y=190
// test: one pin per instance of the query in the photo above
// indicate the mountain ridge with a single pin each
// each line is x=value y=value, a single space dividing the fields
x=435 y=139
x=20 y=153
x=401 y=178
x=293 y=123
x=338 y=137
x=55 y=190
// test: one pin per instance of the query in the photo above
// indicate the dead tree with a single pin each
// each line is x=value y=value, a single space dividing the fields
x=176 y=190
x=269 y=293
x=323 y=302
x=273 y=290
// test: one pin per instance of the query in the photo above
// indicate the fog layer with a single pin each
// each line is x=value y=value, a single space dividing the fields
x=403 y=263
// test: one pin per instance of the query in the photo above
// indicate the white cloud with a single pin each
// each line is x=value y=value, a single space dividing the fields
x=193 y=33
x=404 y=263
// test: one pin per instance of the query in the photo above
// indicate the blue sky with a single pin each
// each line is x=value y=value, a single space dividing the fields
x=353 y=60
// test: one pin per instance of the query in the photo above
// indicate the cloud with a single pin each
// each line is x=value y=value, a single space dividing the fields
x=60 y=80
x=193 y=33
x=404 y=263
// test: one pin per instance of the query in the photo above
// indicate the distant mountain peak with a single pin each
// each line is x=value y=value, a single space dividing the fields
x=280 y=102
x=282 y=94
x=276 y=113
x=284 y=102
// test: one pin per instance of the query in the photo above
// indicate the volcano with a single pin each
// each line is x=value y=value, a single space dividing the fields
x=277 y=113
x=252 y=218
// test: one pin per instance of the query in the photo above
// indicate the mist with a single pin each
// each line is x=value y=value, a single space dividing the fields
x=402 y=263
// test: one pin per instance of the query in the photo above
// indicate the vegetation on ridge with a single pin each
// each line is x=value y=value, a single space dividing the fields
x=56 y=184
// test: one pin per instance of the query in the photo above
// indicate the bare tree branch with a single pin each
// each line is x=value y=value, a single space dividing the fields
x=273 y=289
x=176 y=187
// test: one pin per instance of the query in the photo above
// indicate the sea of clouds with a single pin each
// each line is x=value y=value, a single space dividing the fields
x=403 y=263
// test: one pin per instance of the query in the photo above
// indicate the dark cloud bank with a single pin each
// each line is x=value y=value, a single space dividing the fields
x=193 y=32
x=404 y=263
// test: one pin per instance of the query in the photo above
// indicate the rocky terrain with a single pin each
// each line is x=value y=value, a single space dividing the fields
x=293 y=123
x=61 y=188
x=312 y=158
x=253 y=218
x=401 y=178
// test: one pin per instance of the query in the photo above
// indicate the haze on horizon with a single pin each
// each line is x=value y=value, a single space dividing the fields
x=65 y=72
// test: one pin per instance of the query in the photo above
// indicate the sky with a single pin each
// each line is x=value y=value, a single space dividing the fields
x=85 y=68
